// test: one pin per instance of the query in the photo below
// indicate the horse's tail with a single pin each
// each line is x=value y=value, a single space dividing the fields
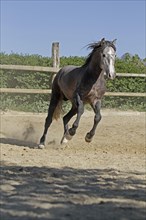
x=58 y=110
x=57 y=97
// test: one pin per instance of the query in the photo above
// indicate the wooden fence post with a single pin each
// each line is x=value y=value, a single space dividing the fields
x=55 y=57
x=55 y=54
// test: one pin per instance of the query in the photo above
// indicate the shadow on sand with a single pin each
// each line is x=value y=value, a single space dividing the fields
x=21 y=143
x=30 y=193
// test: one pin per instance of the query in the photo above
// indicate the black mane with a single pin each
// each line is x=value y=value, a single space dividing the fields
x=97 y=46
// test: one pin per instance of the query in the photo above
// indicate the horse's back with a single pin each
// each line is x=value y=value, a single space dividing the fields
x=68 y=69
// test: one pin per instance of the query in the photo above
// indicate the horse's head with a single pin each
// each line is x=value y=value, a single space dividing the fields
x=108 y=55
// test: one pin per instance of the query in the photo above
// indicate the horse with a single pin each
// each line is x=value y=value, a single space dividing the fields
x=81 y=85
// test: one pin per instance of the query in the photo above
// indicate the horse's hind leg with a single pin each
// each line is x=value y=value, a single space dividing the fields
x=66 y=119
x=53 y=104
x=97 y=119
x=80 y=110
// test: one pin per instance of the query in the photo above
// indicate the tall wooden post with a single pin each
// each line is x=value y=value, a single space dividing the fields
x=55 y=54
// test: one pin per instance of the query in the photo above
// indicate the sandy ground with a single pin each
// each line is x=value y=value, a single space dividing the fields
x=102 y=180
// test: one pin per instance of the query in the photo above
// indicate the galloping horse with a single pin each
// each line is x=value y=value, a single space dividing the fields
x=81 y=85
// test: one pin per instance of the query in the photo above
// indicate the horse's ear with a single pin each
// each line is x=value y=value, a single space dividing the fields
x=102 y=42
x=114 y=41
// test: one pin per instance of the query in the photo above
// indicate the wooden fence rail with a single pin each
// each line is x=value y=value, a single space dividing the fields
x=55 y=70
x=29 y=68
x=48 y=91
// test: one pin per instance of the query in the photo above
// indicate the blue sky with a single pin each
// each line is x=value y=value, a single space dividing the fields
x=30 y=26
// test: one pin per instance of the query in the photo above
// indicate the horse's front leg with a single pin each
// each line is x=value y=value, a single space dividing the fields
x=97 y=119
x=80 y=110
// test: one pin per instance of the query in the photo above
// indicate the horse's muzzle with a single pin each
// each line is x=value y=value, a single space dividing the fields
x=112 y=76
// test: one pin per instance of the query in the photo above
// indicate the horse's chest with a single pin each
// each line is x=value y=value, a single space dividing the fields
x=97 y=90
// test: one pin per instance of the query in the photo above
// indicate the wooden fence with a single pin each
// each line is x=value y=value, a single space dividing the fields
x=55 y=69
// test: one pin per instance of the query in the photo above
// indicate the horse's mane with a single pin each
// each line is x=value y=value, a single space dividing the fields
x=97 y=46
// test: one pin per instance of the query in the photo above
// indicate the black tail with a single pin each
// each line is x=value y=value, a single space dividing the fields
x=57 y=97
x=58 y=109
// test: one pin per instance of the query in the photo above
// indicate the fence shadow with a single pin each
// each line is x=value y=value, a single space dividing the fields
x=76 y=194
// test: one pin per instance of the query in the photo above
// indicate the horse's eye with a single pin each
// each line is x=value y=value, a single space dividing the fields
x=103 y=55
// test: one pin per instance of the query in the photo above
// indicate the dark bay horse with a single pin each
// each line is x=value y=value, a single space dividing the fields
x=81 y=85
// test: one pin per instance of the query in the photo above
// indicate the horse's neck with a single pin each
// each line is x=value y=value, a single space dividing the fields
x=93 y=71
x=101 y=77
x=92 y=76
x=94 y=68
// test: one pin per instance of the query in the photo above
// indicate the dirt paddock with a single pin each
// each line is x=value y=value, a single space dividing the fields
x=104 y=179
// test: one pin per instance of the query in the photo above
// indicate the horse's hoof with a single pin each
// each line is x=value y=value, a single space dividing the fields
x=88 y=138
x=41 y=146
x=64 y=140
